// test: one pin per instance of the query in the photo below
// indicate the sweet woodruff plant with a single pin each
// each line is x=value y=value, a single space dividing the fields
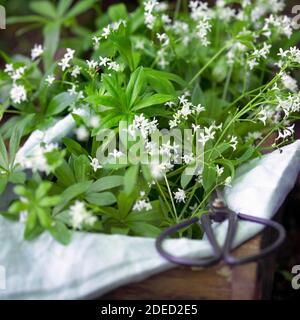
x=219 y=79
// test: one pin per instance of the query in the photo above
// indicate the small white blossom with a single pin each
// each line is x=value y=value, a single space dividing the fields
x=37 y=51
x=179 y=195
x=116 y=154
x=76 y=71
x=142 y=205
x=82 y=133
x=50 y=79
x=80 y=216
x=18 y=94
x=219 y=170
x=95 y=164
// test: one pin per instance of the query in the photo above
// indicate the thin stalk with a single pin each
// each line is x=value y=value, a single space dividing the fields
x=171 y=197
x=177 y=9
x=189 y=200
x=208 y=63
x=165 y=199
x=227 y=82
x=245 y=109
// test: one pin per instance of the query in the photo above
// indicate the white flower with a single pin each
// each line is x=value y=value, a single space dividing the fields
x=219 y=170
x=36 y=160
x=18 y=73
x=233 y=142
x=163 y=39
x=73 y=91
x=95 y=164
x=106 y=32
x=92 y=64
x=96 y=41
x=65 y=61
x=262 y=116
x=104 y=61
x=179 y=195
x=188 y=158
x=18 y=93
x=116 y=154
x=142 y=205
x=140 y=45
x=37 y=51
x=82 y=133
x=227 y=181
x=285 y=133
x=94 y=121
x=289 y=82
x=50 y=79
x=80 y=216
x=76 y=71
x=9 y=68
x=112 y=65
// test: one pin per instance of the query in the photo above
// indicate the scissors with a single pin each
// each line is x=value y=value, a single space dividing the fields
x=219 y=212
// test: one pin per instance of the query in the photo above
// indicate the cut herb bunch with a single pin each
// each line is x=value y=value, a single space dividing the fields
x=222 y=73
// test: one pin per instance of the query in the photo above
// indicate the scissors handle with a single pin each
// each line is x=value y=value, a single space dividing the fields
x=220 y=253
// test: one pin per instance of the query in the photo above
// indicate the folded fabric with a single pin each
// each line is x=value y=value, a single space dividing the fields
x=94 y=264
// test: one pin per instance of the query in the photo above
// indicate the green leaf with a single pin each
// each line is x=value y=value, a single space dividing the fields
x=51 y=34
x=74 y=147
x=209 y=177
x=64 y=174
x=111 y=86
x=217 y=152
x=130 y=179
x=82 y=168
x=3 y=155
x=17 y=177
x=15 y=143
x=135 y=86
x=101 y=199
x=79 y=8
x=44 y=218
x=31 y=223
x=117 y=12
x=125 y=203
x=63 y=6
x=227 y=163
x=165 y=75
x=144 y=229
x=185 y=178
x=26 y=19
x=106 y=183
x=72 y=192
x=49 y=201
x=60 y=232
x=59 y=103
x=244 y=157
x=3 y=183
x=157 y=98
x=43 y=189
x=44 y=8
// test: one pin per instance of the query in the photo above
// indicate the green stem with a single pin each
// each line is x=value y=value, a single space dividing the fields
x=171 y=197
x=177 y=8
x=227 y=82
x=165 y=199
x=208 y=63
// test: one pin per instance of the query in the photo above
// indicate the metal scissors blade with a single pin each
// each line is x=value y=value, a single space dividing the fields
x=219 y=212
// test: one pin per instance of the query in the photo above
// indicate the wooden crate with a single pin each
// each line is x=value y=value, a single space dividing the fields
x=250 y=281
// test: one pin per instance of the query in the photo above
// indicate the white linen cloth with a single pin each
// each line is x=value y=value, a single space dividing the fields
x=94 y=264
